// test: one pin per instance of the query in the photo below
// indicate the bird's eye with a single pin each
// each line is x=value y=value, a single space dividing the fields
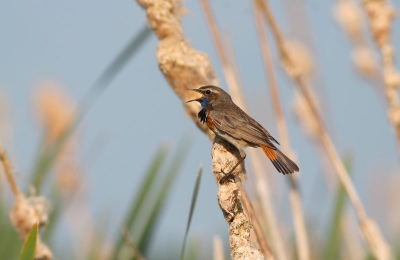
x=208 y=92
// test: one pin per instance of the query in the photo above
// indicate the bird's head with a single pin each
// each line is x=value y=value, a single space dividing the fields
x=209 y=94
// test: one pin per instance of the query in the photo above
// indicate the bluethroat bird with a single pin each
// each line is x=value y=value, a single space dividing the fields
x=232 y=124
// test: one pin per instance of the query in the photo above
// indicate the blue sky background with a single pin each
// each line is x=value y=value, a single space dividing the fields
x=72 y=42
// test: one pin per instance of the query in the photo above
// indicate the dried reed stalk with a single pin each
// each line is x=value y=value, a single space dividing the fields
x=256 y=224
x=229 y=73
x=264 y=197
x=262 y=186
x=185 y=68
x=349 y=15
x=54 y=111
x=218 y=248
x=230 y=198
x=380 y=15
x=182 y=66
x=303 y=248
x=368 y=227
x=9 y=175
x=26 y=211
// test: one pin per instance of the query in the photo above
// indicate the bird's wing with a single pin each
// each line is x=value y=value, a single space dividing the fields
x=241 y=126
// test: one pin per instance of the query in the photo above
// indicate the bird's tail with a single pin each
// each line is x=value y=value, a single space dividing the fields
x=281 y=162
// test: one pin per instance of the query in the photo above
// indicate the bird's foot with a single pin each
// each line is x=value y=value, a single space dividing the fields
x=228 y=177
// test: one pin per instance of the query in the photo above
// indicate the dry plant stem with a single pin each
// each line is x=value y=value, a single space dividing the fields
x=228 y=70
x=229 y=51
x=225 y=156
x=262 y=186
x=185 y=68
x=24 y=214
x=380 y=15
x=182 y=66
x=7 y=170
x=256 y=224
x=368 y=227
x=353 y=248
x=274 y=234
x=218 y=248
x=303 y=248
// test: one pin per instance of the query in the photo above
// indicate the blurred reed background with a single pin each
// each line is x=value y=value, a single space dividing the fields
x=85 y=112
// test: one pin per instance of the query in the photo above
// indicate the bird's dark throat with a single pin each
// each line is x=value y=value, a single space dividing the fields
x=202 y=115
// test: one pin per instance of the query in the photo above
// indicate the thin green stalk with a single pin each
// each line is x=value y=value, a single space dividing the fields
x=192 y=206
x=332 y=247
x=144 y=190
x=177 y=162
x=47 y=156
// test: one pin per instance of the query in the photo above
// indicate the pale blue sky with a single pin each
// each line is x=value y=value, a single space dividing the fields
x=72 y=42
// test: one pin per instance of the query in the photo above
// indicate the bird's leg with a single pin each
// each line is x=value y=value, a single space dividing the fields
x=229 y=174
x=243 y=155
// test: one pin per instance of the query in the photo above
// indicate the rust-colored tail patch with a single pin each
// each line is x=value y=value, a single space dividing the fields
x=281 y=162
x=269 y=152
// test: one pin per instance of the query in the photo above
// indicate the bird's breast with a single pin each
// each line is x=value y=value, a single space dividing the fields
x=210 y=123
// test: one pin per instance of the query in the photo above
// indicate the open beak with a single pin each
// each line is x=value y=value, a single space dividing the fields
x=197 y=99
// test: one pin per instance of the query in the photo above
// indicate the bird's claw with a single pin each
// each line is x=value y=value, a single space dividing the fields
x=229 y=177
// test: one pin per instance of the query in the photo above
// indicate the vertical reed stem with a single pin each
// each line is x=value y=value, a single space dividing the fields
x=294 y=194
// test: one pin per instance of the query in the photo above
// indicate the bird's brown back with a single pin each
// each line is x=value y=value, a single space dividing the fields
x=231 y=119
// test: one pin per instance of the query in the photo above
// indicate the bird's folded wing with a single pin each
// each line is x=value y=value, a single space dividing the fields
x=242 y=127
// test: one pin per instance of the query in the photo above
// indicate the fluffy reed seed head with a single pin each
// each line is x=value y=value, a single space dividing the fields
x=42 y=252
x=365 y=61
x=349 y=16
x=392 y=78
x=394 y=114
x=304 y=115
x=300 y=61
x=55 y=113
x=26 y=212
x=68 y=178
x=380 y=15
x=54 y=109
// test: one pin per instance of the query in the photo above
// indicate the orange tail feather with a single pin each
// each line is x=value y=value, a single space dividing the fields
x=281 y=162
